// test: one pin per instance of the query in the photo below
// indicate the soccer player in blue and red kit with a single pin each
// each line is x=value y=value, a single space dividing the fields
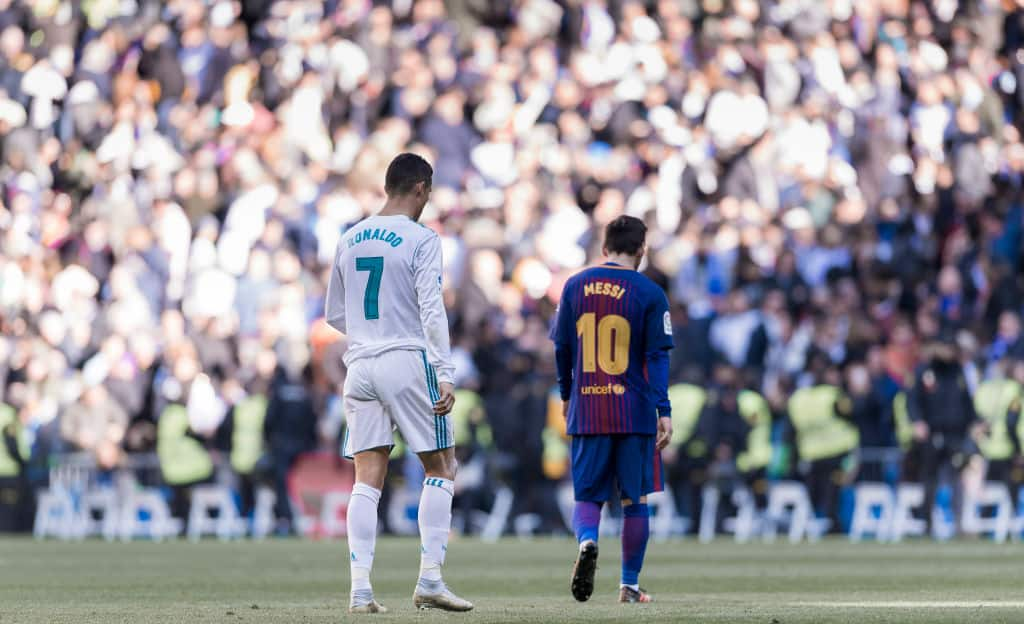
x=612 y=336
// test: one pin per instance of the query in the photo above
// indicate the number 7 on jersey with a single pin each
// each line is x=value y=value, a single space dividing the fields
x=375 y=266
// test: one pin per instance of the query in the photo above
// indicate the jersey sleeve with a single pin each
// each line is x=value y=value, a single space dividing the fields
x=427 y=268
x=334 y=304
x=658 y=324
x=564 y=337
x=562 y=331
x=657 y=343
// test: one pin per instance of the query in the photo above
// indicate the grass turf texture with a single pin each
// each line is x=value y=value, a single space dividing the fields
x=512 y=581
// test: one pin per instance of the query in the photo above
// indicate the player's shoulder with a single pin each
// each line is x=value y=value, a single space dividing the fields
x=582 y=274
x=401 y=233
x=422 y=232
x=648 y=287
x=423 y=239
x=586 y=274
x=411 y=230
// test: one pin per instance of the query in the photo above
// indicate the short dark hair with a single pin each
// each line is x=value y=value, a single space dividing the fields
x=405 y=172
x=625 y=235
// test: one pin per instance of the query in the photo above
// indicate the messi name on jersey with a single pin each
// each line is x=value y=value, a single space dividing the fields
x=609 y=289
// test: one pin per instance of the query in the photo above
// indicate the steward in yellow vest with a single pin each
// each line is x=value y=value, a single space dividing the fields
x=244 y=425
x=825 y=437
x=14 y=453
x=184 y=460
x=753 y=461
x=14 y=450
x=1015 y=423
x=247 y=433
x=998 y=404
x=910 y=466
x=994 y=400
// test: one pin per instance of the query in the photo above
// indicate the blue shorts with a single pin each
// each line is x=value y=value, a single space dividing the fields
x=630 y=461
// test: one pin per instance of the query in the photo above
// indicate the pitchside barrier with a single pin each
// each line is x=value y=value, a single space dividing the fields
x=131 y=502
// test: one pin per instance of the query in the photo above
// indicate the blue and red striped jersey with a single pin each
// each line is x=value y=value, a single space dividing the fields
x=612 y=334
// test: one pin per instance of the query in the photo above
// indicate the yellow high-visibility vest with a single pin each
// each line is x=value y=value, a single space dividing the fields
x=247 y=433
x=820 y=432
x=758 y=414
x=10 y=466
x=901 y=420
x=687 y=403
x=183 y=459
x=467 y=414
x=992 y=401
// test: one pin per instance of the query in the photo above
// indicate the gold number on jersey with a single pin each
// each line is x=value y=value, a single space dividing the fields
x=611 y=351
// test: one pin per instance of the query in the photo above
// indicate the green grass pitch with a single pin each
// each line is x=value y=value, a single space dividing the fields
x=511 y=581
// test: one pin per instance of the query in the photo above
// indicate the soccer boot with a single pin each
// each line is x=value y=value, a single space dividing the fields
x=436 y=595
x=362 y=602
x=632 y=596
x=583 y=571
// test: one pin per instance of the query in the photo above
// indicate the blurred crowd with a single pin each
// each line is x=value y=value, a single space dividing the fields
x=833 y=190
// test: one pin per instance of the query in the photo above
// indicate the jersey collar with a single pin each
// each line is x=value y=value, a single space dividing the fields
x=615 y=265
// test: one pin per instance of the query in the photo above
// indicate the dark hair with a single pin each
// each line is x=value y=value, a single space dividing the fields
x=625 y=235
x=405 y=172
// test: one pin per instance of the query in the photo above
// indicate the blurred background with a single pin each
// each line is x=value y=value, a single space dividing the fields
x=833 y=190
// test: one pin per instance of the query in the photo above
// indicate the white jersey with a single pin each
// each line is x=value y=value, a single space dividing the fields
x=385 y=292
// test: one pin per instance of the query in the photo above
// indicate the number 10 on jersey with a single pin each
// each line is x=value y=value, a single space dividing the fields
x=604 y=344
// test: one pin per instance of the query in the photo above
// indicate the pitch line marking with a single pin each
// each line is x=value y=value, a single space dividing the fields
x=918 y=604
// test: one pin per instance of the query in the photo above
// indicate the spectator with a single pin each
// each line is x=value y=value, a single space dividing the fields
x=95 y=423
x=289 y=426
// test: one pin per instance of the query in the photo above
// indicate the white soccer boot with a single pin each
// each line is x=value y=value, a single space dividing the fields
x=436 y=595
x=362 y=602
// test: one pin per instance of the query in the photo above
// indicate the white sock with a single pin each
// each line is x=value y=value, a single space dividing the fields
x=362 y=533
x=435 y=520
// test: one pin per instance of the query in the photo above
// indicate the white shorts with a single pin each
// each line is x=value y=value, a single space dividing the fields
x=396 y=389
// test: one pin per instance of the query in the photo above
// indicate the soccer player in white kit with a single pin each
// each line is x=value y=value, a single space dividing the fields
x=385 y=294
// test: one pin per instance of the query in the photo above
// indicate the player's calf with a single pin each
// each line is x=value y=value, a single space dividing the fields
x=362 y=538
x=635 y=533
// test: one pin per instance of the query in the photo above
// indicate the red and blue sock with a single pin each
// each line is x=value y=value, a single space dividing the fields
x=635 y=531
x=586 y=519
